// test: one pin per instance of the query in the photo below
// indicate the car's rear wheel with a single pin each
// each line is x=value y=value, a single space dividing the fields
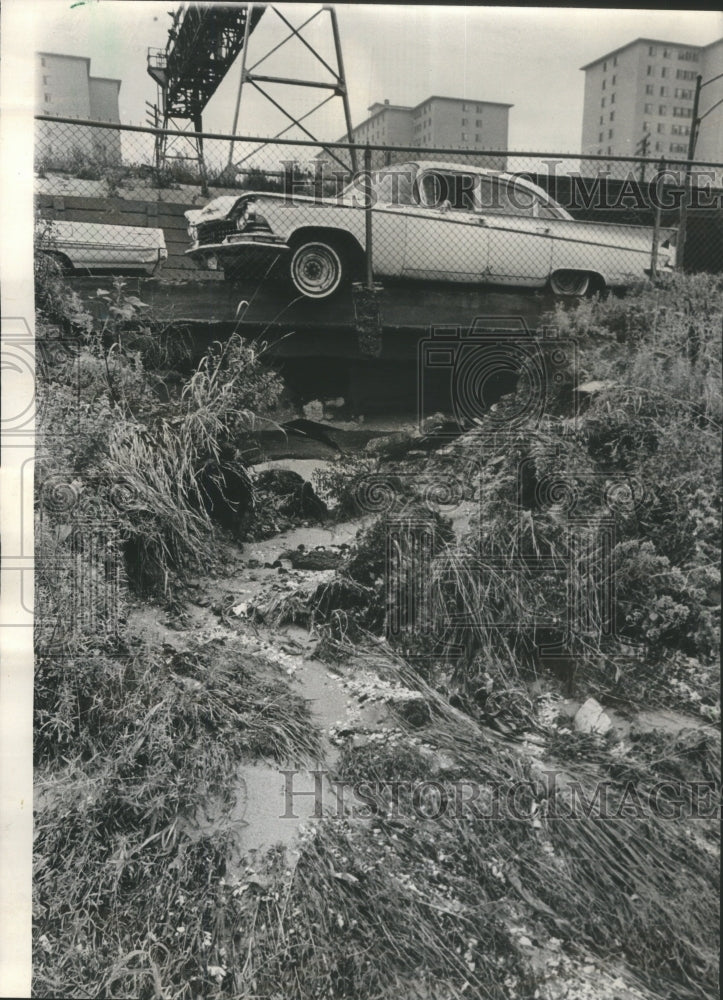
x=574 y=283
x=318 y=268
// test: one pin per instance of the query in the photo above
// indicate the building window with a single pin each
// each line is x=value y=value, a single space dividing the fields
x=681 y=112
x=678 y=147
x=685 y=74
x=600 y=137
x=479 y=109
x=47 y=98
x=650 y=70
x=687 y=95
x=612 y=116
x=604 y=84
x=688 y=56
x=465 y=122
x=661 y=127
x=614 y=79
x=478 y=137
x=610 y=133
x=42 y=60
x=612 y=98
x=605 y=66
x=465 y=136
x=464 y=107
x=602 y=103
x=680 y=129
x=615 y=60
x=663 y=109
x=610 y=149
x=666 y=53
x=651 y=50
x=648 y=88
x=663 y=91
x=648 y=109
x=45 y=80
x=478 y=123
x=664 y=71
x=646 y=126
x=658 y=147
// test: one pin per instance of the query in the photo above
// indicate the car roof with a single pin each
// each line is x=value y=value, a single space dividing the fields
x=467 y=168
x=470 y=168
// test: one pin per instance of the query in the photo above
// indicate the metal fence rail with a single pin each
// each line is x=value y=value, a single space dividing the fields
x=104 y=203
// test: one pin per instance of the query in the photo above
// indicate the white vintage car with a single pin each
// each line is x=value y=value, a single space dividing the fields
x=431 y=221
x=93 y=247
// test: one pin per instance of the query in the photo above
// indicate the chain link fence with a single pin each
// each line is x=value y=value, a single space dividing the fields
x=126 y=199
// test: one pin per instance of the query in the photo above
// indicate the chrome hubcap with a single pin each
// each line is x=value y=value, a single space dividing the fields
x=316 y=270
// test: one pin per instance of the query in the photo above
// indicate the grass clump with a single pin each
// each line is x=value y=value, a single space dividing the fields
x=162 y=463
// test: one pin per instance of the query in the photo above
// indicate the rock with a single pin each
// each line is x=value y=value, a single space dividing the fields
x=592 y=718
x=318 y=559
x=432 y=423
x=391 y=445
x=590 y=388
x=293 y=495
x=313 y=410
x=226 y=491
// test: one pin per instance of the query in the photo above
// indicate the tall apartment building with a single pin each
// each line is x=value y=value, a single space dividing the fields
x=64 y=87
x=444 y=122
x=647 y=87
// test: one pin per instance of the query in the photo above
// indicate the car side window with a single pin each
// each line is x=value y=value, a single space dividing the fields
x=438 y=189
x=500 y=197
x=394 y=187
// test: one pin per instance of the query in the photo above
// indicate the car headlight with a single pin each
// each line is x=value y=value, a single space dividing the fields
x=247 y=216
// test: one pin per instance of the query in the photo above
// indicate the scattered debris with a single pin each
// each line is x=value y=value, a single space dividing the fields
x=592 y=718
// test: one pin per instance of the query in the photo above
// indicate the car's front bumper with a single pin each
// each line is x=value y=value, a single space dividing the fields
x=235 y=248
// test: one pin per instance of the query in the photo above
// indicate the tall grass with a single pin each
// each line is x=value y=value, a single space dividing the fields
x=127 y=750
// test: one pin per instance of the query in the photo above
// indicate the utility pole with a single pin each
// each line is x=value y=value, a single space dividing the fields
x=682 y=228
x=642 y=150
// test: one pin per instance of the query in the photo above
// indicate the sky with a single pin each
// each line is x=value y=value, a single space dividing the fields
x=529 y=57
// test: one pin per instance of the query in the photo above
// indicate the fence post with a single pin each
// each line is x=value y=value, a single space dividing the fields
x=368 y=216
x=656 y=227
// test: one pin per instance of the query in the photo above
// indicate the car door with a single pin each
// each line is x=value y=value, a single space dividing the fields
x=446 y=237
x=392 y=200
x=520 y=240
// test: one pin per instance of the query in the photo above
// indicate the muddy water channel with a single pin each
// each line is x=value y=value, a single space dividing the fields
x=274 y=801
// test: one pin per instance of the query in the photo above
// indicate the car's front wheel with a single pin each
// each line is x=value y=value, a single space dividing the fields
x=573 y=283
x=317 y=268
